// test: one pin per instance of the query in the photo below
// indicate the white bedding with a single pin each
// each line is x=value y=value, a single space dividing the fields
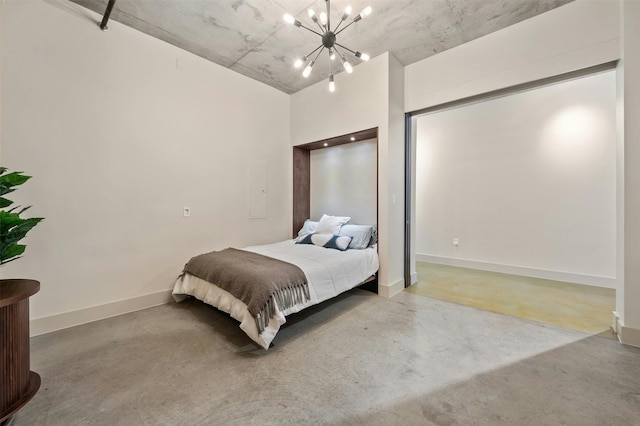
x=328 y=271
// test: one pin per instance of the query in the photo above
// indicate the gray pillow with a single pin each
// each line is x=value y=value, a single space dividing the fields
x=360 y=235
x=374 y=235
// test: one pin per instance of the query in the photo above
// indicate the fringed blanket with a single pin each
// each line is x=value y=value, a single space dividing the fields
x=259 y=281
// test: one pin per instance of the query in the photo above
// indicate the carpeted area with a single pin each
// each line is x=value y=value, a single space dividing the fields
x=567 y=305
x=359 y=359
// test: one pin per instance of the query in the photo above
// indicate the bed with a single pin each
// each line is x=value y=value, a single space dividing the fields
x=328 y=273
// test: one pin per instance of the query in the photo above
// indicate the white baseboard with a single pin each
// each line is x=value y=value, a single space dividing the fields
x=629 y=336
x=626 y=335
x=94 y=313
x=391 y=289
x=592 y=280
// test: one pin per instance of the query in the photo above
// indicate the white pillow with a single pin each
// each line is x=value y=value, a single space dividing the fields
x=360 y=235
x=331 y=224
x=309 y=227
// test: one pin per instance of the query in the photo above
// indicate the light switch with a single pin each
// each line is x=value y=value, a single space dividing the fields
x=186 y=211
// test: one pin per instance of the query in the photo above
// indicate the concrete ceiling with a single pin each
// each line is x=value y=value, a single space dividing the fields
x=250 y=36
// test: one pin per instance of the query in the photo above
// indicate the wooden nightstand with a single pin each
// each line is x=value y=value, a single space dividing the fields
x=18 y=384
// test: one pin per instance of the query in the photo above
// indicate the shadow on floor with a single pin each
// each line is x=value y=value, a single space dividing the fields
x=552 y=388
x=297 y=324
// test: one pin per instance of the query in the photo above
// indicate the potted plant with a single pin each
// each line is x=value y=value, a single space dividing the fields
x=18 y=384
x=13 y=228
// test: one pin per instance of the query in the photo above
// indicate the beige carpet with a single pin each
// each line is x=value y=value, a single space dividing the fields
x=577 y=307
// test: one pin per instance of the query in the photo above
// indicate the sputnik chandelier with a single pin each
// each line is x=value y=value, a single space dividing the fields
x=329 y=41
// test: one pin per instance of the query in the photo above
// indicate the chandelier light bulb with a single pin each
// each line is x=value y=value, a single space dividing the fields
x=347 y=12
x=332 y=84
x=366 y=12
x=307 y=70
x=347 y=67
x=362 y=56
x=298 y=63
x=289 y=19
x=332 y=54
x=323 y=18
x=311 y=13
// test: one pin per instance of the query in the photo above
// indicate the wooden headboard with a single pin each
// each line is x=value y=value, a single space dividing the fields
x=302 y=172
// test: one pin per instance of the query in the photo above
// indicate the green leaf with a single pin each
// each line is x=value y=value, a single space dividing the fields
x=4 y=202
x=8 y=181
x=13 y=179
x=19 y=230
x=11 y=224
x=4 y=190
x=11 y=253
x=13 y=228
x=7 y=221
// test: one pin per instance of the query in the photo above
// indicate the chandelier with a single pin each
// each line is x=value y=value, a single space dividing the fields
x=329 y=41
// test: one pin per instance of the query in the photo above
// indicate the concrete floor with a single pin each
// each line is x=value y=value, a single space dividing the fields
x=574 y=306
x=359 y=359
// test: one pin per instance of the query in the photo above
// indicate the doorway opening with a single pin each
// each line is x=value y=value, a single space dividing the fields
x=511 y=201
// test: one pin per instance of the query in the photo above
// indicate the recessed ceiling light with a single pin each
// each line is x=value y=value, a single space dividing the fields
x=326 y=144
x=353 y=138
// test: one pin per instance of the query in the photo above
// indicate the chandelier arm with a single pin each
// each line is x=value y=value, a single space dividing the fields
x=338 y=52
x=335 y=30
x=312 y=52
x=346 y=48
x=318 y=53
x=309 y=29
x=328 y=4
x=350 y=24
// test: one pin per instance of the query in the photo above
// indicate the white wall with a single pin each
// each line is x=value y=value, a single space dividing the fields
x=574 y=36
x=628 y=304
x=370 y=97
x=393 y=170
x=120 y=131
x=360 y=102
x=525 y=182
x=344 y=181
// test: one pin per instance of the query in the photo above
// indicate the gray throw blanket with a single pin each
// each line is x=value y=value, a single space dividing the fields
x=259 y=281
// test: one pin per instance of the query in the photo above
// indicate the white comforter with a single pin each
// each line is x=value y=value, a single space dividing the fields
x=328 y=271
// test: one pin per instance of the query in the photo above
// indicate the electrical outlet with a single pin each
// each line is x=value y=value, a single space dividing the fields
x=186 y=211
x=456 y=242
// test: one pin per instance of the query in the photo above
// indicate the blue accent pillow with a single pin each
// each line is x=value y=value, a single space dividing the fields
x=326 y=240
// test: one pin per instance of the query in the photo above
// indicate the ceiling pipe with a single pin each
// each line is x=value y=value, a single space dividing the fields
x=105 y=18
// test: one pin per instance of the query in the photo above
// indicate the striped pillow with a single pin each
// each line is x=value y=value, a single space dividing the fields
x=326 y=240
